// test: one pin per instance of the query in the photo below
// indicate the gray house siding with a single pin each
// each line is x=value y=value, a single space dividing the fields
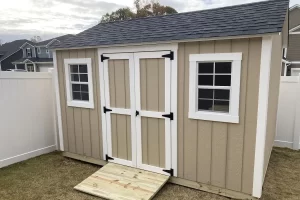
x=294 y=18
x=7 y=63
x=43 y=53
x=32 y=50
x=293 y=53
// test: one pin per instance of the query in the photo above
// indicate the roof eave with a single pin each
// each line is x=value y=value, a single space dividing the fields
x=170 y=41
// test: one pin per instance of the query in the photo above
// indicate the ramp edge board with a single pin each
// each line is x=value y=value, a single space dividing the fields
x=114 y=181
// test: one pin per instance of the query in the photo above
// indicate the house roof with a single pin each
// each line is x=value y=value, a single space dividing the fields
x=35 y=60
x=46 y=42
x=248 y=19
x=10 y=48
x=295 y=6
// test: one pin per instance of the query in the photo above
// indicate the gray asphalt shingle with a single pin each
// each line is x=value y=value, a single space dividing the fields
x=248 y=19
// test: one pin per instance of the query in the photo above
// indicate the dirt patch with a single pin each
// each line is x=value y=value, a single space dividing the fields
x=52 y=176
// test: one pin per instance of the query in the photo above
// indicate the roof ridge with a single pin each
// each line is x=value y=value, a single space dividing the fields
x=187 y=12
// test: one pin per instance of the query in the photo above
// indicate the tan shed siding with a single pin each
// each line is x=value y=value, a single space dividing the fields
x=220 y=154
x=81 y=127
x=273 y=98
x=294 y=18
x=285 y=31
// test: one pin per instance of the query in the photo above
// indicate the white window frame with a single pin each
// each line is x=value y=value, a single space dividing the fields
x=39 y=50
x=28 y=52
x=47 y=51
x=233 y=115
x=70 y=101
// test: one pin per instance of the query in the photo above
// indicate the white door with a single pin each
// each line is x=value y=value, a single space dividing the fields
x=119 y=108
x=138 y=133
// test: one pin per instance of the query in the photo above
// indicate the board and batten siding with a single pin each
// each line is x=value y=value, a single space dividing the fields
x=82 y=129
x=215 y=153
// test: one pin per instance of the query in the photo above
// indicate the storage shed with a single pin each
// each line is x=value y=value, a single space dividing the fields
x=191 y=95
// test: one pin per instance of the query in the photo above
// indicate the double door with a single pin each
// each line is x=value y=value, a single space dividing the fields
x=137 y=109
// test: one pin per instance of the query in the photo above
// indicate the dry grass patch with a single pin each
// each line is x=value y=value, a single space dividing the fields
x=52 y=176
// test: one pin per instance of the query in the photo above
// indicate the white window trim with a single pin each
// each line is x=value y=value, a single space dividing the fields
x=38 y=50
x=233 y=115
x=27 y=53
x=47 y=50
x=70 y=101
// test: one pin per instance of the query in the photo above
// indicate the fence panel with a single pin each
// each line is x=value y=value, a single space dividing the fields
x=27 y=122
x=288 y=117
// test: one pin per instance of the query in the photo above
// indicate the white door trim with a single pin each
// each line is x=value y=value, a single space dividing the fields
x=147 y=55
x=121 y=111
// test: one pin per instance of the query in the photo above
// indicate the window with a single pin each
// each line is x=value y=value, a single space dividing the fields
x=215 y=87
x=28 y=53
x=79 y=82
x=47 y=50
x=30 y=68
x=38 y=50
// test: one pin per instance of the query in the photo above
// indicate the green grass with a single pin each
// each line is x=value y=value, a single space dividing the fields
x=53 y=176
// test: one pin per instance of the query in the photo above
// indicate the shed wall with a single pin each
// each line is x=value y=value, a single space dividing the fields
x=273 y=97
x=215 y=153
x=294 y=18
x=220 y=154
x=82 y=132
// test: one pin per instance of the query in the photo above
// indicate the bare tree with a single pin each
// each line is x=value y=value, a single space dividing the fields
x=36 y=39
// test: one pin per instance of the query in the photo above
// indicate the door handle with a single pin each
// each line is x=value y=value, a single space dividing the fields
x=170 y=116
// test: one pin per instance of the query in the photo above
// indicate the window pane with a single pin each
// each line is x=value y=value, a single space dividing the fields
x=74 y=68
x=83 y=78
x=206 y=68
x=222 y=80
x=74 y=77
x=222 y=94
x=82 y=68
x=84 y=88
x=76 y=96
x=221 y=106
x=76 y=87
x=205 y=93
x=223 y=68
x=205 y=79
x=205 y=104
x=85 y=96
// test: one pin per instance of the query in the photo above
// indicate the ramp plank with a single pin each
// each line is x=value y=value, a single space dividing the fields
x=118 y=182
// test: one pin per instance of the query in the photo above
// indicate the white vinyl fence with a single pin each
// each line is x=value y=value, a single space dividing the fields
x=288 y=117
x=27 y=123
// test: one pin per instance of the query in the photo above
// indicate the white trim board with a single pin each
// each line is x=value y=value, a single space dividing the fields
x=25 y=156
x=261 y=129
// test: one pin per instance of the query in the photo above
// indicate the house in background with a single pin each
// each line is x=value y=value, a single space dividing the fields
x=10 y=52
x=37 y=57
x=292 y=53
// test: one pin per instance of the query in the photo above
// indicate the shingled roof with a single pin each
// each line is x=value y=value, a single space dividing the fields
x=247 y=19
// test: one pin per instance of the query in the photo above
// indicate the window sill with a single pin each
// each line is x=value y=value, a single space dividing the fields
x=80 y=104
x=216 y=117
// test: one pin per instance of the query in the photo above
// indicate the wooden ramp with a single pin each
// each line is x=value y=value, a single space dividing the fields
x=116 y=182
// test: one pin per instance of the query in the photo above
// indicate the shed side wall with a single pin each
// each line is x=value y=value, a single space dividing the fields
x=82 y=132
x=273 y=97
x=220 y=154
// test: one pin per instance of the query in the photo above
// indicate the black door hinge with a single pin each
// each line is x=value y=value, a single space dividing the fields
x=169 y=171
x=137 y=113
x=108 y=158
x=170 y=55
x=104 y=58
x=106 y=109
x=171 y=116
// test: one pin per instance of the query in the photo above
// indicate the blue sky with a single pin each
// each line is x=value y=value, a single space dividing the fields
x=22 y=19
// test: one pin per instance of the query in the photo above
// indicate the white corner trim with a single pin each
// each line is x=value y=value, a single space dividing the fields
x=58 y=106
x=262 y=114
x=233 y=115
x=70 y=101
